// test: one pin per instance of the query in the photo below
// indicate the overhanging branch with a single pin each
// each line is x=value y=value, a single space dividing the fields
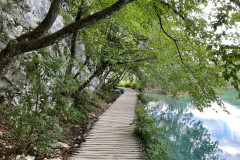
x=174 y=10
x=237 y=2
x=179 y=54
x=15 y=48
x=45 y=25
x=71 y=28
x=137 y=60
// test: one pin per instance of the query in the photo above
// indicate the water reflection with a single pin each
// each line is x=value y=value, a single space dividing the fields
x=224 y=128
x=194 y=134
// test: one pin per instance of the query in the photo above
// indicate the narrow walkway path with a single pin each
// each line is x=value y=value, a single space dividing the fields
x=112 y=137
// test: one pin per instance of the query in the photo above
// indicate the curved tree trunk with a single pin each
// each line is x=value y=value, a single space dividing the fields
x=102 y=80
x=45 y=25
x=98 y=71
x=15 y=48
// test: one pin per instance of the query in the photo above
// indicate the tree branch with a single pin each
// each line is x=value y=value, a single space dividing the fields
x=137 y=60
x=71 y=28
x=45 y=25
x=180 y=55
x=15 y=48
x=237 y=2
x=97 y=72
x=174 y=10
x=102 y=80
x=116 y=78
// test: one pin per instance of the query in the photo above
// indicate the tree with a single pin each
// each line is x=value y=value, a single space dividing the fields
x=32 y=41
x=174 y=33
x=224 y=46
x=164 y=44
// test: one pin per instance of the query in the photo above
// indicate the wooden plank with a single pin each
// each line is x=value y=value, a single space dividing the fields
x=112 y=137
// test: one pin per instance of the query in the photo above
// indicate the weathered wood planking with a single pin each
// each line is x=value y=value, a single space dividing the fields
x=112 y=137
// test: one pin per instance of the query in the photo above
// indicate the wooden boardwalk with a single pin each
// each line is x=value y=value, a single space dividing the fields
x=112 y=137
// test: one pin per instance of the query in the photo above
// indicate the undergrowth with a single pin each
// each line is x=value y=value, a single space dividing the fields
x=48 y=108
x=109 y=95
x=129 y=84
x=155 y=145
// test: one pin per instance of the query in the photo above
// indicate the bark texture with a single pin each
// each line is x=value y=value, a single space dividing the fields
x=15 y=48
x=45 y=25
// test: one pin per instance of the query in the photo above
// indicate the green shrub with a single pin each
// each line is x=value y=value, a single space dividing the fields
x=121 y=84
x=129 y=84
x=151 y=135
x=46 y=109
x=124 y=84
x=109 y=95
x=32 y=125
x=36 y=120
x=134 y=85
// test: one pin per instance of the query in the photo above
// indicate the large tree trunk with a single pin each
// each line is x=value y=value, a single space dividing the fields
x=15 y=48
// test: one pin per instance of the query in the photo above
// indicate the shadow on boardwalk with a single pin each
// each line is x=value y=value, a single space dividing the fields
x=112 y=137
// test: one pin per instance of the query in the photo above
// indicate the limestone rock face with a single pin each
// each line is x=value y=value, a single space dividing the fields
x=22 y=16
x=17 y=18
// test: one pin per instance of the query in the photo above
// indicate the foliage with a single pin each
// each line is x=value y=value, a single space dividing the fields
x=67 y=18
x=157 y=44
x=46 y=108
x=163 y=43
x=109 y=95
x=34 y=119
x=151 y=134
x=224 y=46
x=144 y=98
x=184 y=66
x=129 y=84
x=86 y=102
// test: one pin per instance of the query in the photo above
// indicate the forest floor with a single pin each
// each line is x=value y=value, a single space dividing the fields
x=76 y=135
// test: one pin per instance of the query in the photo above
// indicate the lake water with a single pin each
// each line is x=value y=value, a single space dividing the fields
x=199 y=135
x=223 y=127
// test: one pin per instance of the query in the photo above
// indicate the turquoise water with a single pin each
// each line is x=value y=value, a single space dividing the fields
x=211 y=134
x=230 y=96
